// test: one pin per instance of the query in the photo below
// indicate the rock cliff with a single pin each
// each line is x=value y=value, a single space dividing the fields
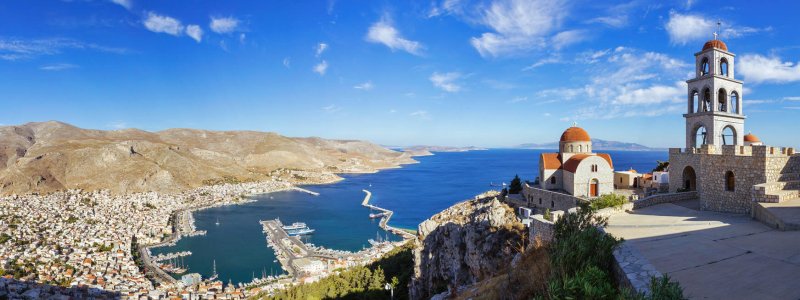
x=49 y=156
x=464 y=244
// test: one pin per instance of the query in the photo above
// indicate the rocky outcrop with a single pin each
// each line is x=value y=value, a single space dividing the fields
x=464 y=244
x=51 y=156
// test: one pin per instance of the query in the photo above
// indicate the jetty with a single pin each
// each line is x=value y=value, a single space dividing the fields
x=299 y=189
x=168 y=256
x=387 y=215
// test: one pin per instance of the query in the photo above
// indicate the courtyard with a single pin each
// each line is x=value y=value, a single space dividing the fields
x=714 y=255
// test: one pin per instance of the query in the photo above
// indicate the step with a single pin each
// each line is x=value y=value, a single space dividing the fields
x=782 y=216
x=773 y=187
x=789 y=177
x=781 y=196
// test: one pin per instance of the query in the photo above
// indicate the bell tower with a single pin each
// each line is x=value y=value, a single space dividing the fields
x=714 y=112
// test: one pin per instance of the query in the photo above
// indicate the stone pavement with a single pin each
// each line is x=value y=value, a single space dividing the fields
x=714 y=255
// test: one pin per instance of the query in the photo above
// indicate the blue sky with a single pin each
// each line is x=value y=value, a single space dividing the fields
x=486 y=73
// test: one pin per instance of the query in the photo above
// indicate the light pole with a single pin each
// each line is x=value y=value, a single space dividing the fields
x=390 y=288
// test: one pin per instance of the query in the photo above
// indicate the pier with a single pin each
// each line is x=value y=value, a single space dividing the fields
x=299 y=189
x=384 y=223
x=168 y=256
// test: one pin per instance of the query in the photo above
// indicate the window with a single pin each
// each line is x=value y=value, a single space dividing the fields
x=723 y=67
x=706 y=100
x=730 y=182
x=552 y=180
x=735 y=102
x=580 y=148
x=540 y=201
x=704 y=68
x=722 y=99
x=728 y=136
x=700 y=137
x=552 y=204
x=696 y=104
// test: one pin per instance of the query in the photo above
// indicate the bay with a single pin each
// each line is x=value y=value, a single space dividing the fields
x=414 y=192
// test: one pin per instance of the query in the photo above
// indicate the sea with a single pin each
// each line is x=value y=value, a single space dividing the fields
x=414 y=192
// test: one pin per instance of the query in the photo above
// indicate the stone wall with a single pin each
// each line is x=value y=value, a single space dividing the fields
x=663 y=198
x=544 y=199
x=540 y=229
x=751 y=165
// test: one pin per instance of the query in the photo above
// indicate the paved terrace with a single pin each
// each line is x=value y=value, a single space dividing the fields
x=714 y=255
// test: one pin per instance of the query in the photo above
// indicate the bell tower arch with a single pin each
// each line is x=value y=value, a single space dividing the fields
x=714 y=101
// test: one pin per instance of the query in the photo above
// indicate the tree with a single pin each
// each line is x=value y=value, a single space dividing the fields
x=661 y=166
x=516 y=185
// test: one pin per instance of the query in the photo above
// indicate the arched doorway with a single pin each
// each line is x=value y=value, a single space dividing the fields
x=593 y=188
x=689 y=179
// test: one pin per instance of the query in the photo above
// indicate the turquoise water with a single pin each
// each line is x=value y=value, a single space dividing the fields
x=414 y=192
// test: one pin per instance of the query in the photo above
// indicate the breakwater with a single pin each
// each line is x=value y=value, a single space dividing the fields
x=384 y=222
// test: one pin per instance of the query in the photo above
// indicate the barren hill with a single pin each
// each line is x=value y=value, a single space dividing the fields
x=49 y=156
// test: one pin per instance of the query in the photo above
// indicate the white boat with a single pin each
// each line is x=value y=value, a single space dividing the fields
x=295 y=226
x=302 y=231
x=378 y=215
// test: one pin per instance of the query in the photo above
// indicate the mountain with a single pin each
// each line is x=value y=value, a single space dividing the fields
x=422 y=150
x=50 y=156
x=597 y=144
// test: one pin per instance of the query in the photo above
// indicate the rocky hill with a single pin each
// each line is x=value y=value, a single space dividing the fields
x=49 y=156
x=464 y=244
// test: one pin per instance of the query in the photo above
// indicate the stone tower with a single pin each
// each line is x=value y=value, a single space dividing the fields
x=714 y=115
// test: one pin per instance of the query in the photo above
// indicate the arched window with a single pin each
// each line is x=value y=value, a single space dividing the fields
x=552 y=204
x=728 y=136
x=722 y=99
x=580 y=148
x=730 y=181
x=735 y=102
x=723 y=67
x=696 y=105
x=571 y=148
x=700 y=137
x=540 y=201
x=704 y=67
x=706 y=100
x=552 y=179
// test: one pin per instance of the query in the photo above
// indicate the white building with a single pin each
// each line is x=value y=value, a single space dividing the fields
x=575 y=169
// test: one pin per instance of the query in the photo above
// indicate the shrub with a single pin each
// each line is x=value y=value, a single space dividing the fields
x=589 y=283
x=548 y=215
x=665 y=289
x=609 y=200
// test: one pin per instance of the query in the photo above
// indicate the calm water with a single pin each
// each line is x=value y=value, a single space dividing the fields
x=414 y=192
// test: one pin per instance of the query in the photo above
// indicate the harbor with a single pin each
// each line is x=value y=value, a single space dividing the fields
x=385 y=215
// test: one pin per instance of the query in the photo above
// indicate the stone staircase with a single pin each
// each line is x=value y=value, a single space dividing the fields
x=777 y=204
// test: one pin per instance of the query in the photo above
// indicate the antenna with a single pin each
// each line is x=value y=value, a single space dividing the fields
x=719 y=29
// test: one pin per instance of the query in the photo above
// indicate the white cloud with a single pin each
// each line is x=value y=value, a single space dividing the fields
x=686 y=28
x=195 y=32
x=58 y=67
x=518 y=100
x=383 y=32
x=163 y=24
x=331 y=108
x=364 y=86
x=617 y=21
x=446 y=81
x=544 y=61
x=127 y=4
x=224 y=25
x=321 y=68
x=16 y=49
x=761 y=69
x=321 y=47
x=242 y=38
x=117 y=125
x=566 y=38
x=421 y=114
x=791 y=98
x=518 y=25
x=287 y=62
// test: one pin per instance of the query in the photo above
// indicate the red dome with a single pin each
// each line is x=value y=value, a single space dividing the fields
x=575 y=134
x=752 y=138
x=715 y=44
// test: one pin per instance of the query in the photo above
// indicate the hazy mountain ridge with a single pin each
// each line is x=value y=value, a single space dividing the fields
x=49 y=156
x=597 y=144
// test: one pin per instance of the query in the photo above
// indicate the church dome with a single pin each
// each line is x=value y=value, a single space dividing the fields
x=715 y=44
x=575 y=134
x=752 y=138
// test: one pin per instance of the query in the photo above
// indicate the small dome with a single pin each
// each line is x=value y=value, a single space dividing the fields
x=575 y=134
x=752 y=138
x=715 y=44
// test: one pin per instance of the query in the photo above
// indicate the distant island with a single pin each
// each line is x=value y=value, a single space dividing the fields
x=597 y=144
x=422 y=150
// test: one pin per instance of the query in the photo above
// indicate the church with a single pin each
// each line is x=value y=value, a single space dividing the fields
x=730 y=171
x=572 y=175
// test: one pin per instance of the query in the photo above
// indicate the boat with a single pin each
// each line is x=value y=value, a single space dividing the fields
x=295 y=226
x=217 y=223
x=378 y=215
x=302 y=231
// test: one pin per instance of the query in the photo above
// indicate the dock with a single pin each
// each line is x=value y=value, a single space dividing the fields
x=299 y=189
x=168 y=256
x=290 y=248
x=384 y=222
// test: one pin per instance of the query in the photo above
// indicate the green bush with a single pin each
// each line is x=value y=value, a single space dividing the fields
x=665 y=289
x=589 y=283
x=609 y=200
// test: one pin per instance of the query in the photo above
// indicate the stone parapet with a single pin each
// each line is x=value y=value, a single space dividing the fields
x=663 y=198
x=632 y=269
